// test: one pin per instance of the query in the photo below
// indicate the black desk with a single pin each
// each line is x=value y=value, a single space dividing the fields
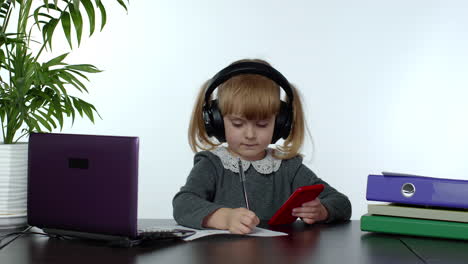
x=338 y=243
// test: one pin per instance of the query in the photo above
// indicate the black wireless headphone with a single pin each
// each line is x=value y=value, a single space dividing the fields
x=212 y=117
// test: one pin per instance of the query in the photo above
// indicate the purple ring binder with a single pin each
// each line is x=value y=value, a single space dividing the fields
x=418 y=190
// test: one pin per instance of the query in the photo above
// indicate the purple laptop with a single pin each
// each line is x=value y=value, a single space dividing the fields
x=83 y=184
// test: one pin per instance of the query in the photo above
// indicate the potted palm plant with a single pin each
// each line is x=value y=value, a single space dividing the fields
x=35 y=92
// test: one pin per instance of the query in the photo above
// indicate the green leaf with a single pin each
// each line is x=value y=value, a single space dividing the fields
x=56 y=90
x=37 y=14
x=41 y=77
x=55 y=84
x=69 y=107
x=77 y=21
x=2 y=56
x=121 y=2
x=48 y=31
x=65 y=18
x=44 y=31
x=2 y=112
x=84 y=68
x=87 y=110
x=103 y=13
x=48 y=118
x=4 y=8
x=43 y=122
x=88 y=5
x=77 y=105
x=56 y=61
x=79 y=74
x=94 y=109
x=76 y=4
x=68 y=77
x=36 y=103
x=32 y=123
x=58 y=113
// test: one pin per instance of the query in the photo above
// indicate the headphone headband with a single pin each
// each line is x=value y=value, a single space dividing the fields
x=248 y=68
x=212 y=116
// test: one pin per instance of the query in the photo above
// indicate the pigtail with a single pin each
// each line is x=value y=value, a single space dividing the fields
x=197 y=136
x=293 y=143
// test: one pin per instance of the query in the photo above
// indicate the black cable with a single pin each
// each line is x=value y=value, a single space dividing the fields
x=12 y=234
x=27 y=232
x=15 y=233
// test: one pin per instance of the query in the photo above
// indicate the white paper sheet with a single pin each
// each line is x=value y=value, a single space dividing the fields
x=258 y=232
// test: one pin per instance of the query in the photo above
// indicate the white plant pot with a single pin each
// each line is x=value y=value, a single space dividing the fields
x=13 y=185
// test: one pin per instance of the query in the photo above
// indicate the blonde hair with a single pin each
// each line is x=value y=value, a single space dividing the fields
x=253 y=97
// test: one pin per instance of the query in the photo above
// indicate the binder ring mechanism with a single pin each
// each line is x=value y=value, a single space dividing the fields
x=408 y=190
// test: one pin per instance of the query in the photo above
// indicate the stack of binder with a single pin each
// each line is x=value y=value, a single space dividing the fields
x=417 y=205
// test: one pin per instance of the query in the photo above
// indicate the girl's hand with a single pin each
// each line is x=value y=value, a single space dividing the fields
x=241 y=221
x=311 y=212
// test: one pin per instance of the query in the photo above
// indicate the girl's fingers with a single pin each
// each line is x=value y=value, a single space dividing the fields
x=315 y=202
x=306 y=215
x=308 y=220
x=305 y=210
x=243 y=229
x=248 y=221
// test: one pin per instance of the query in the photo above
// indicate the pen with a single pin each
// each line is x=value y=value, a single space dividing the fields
x=242 y=179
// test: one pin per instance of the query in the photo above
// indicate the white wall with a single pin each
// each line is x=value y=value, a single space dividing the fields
x=384 y=82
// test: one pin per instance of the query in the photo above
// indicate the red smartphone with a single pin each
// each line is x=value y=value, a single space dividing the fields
x=300 y=195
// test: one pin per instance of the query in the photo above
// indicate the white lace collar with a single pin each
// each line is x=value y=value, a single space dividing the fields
x=266 y=165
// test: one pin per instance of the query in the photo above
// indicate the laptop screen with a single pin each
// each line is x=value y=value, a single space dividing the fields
x=83 y=183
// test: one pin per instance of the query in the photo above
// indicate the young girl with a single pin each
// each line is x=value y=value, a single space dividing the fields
x=249 y=115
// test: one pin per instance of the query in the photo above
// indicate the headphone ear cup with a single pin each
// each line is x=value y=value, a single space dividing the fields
x=283 y=123
x=207 y=120
x=214 y=122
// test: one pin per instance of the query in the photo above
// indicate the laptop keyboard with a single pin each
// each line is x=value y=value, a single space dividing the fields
x=155 y=233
